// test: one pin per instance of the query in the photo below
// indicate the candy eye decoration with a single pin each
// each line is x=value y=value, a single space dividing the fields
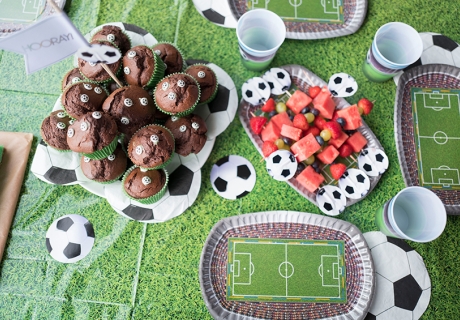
x=181 y=83
x=131 y=54
x=70 y=132
x=71 y=121
x=174 y=118
x=84 y=126
x=143 y=101
x=139 y=150
x=97 y=115
x=124 y=120
x=158 y=52
x=92 y=64
x=84 y=98
x=154 y=138
x=171 y=96
x=76 y=79
x=182 y=128
x=165 y=86
x=111 y=37
x=128 y=102
x=98 y=90
x=143 y=169
x=126 y=70
x=86 y=159
x=60 y=125
x=201 y=74
x=61 y=114
x=195 y=125
x=111 y=157
x=146 y=181
x=87 y=86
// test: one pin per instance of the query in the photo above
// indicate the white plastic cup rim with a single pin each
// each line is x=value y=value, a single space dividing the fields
x=273 y=18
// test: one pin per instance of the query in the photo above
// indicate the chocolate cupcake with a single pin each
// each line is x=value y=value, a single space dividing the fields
x=207 y=80
x=95 y=135
x=142 y=67
x=71 y=77
x=145 y=186
x=94 y=71
x=177 y=94
x=151 y=147
x=54 y=130
x=106 y=170
x=82 y=97
x=113 y=34
x=189 y=133
x=131 y=107
x=171 y=56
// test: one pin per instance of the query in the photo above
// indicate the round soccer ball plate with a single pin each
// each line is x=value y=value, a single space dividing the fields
x=70 y=238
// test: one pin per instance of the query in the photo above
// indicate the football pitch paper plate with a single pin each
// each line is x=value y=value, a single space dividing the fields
x=63 y=168
x=254 y=265
x=304 y=20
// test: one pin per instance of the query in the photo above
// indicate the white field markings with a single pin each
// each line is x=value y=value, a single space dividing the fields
x=31 y=9
x=251 y=268
x=286 y=263
x=333 y=4
x=321 y=271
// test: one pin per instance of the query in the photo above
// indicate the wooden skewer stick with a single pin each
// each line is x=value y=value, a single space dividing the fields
x=54 y=5
x=288 y=93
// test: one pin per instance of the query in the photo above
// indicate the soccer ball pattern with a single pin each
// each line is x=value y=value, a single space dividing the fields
x=373 y=161
x=70 y=238
x=256 y=91
x=216 y=11
x=99 y=53
x=354 y=183
x=403 y=286
x=342 y=85
x=233 y=177
x=281 y=165
x=331 y=200
x=278 y=79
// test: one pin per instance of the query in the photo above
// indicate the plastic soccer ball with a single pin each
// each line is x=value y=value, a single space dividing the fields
x=256 y=91
x=373 y=161
x=278 y=79
x=233 y=177
x=342 y=85
x=354 y=183
x=70 y=238
x=281 y=165
x=403 y=286
x=331 y=200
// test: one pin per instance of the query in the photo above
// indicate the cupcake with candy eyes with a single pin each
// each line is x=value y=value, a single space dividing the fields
x=54 y=130
x=106 y=170
x=94 y=71
x=207 y=80
x=94 y=134
x=171 y=56
x=142 y=67
x=189 y=133
x=113 y=34
x=82 y=97
x=71 y=77
x=145 y=186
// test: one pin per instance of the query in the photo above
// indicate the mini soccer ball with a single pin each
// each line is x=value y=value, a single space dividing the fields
x=403 y=286
x=233 y=177
x=342 y=85
x=373 y=161
x=281 y=165
x=70 y=238
x=354 y=183
x=278 y=79
x=256 y=91
x=216 y=11
x=331 y=200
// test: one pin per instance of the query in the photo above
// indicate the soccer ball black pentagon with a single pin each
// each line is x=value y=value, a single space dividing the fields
x=373 y=161
x=233 y=177
x=216 y=11
x=256 y=91
x=70 y=238
x=354 y=183
x=403 y=286
x=281 y=165
x=331 y=200
x=278 y=79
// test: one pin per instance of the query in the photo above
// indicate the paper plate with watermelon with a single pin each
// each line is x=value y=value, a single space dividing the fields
x=325 y=146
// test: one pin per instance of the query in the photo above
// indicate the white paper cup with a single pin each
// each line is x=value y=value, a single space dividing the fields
x=260 y=33
x=415 y=214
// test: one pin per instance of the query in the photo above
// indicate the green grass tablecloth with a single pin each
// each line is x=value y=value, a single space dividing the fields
x=145 y=271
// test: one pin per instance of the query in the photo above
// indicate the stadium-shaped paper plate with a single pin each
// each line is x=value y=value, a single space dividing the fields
x=304 y=20
x=419 y=168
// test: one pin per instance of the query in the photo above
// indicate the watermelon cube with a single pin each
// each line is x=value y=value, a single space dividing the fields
x=339 y=141
x=280 y=119
x=305 y=147
x=270 y=132
x=352 y=117
x=291 y=132
x=328 y=155
x=357 y=141
x=297 y=101
x=324 y=104
x=310 y=179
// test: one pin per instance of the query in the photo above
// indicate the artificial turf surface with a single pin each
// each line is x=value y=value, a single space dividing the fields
x=138 y=271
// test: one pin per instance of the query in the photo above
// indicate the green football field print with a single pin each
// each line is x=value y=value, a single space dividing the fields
x=286 y=270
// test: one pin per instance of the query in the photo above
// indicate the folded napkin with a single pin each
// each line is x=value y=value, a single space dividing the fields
x=12 y=167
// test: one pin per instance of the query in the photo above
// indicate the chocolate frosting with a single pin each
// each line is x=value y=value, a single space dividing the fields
x=188 y=138
x=97 y=72
x=54 y=134
x=75 y=105
x=207 y=83
x=141 y=66
x=69 y=76
x=135 y=188
x=184 y=97
x=170 y=56
x=105 y=169
x=121 y=40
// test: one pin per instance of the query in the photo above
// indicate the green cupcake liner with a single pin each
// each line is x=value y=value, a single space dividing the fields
x=158 y=71
x=213 y=95
x=1 y=153
x=185 y=112
x=149 y=200
x=184 y=63
x=104 y=152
